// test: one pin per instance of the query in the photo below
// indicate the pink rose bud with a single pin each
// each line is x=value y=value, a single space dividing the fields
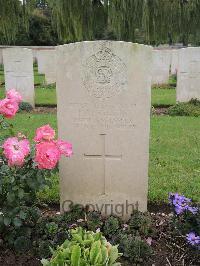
x=44 y=133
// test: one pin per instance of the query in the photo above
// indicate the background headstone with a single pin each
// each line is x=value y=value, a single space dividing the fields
x=188 y=78
x=40 y=61
x=1 y=56
x=103 y=90
x=174 y=61
x=47 y=65
x=161 y=66
x=18 y=71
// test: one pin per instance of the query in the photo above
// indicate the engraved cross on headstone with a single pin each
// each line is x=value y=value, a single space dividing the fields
x=104 y=157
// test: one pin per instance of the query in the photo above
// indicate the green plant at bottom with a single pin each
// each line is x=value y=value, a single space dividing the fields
x=85 y=248
x=191 y=108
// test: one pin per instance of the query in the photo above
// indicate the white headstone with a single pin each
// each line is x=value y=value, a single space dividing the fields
x=1 y=56
x=188 y=78
x=40 y=61
x=34 y=52
x=104 y=105
x=47 y=65
x=174 y=62
x=161 y=66
x=18 y=71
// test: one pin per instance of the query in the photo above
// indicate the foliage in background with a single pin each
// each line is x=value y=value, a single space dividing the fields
x=61 y=21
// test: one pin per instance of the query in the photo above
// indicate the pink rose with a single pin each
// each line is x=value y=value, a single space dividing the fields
x=8 y=107
x=47 y=155
x=44 y=133
x=64 y=147
x=14 y=95
x=16 y=151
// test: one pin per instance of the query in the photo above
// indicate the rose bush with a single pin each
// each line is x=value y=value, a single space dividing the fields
x=25 y=169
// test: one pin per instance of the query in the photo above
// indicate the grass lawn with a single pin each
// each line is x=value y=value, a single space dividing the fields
x=163 y=97
x=174 y=155
x=45 y=96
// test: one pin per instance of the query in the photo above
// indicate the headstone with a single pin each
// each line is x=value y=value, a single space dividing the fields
x=34 y=52
x=174 y=62
x=47 y=65
x=40 y=61
x=18 y=71
x=161 y=66
x=1 y=56
x=103 y=90
x=188 y=78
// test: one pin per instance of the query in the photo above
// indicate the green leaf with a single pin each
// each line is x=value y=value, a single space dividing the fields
x=104 y=253
x=114 y=254
x=45 y=262
x=22 y=215
x=17 y=222
x=95 y=252
x=10 y=197
x=21 y=193
x=76 y=255
x=7 y=221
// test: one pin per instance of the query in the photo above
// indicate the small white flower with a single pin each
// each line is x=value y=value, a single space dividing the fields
x=80 y=220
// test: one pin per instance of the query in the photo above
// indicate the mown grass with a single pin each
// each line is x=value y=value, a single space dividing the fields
x=163 y=97
x=44 y=96
x=174 y=155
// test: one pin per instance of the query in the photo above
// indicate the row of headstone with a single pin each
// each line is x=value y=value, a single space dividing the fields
x=184 y=62
x=165 y=63
x=45 y=58
x=18 y=70
x=104 y=92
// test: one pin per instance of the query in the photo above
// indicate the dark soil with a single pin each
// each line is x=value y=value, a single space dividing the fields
x=8 y=258
x=160 y=110
x=44 y=110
